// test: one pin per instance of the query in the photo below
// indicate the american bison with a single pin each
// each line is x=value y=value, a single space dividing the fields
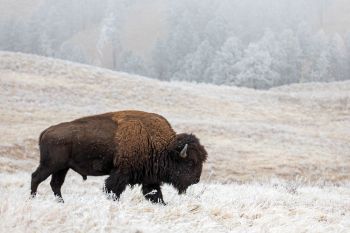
x=132 y=147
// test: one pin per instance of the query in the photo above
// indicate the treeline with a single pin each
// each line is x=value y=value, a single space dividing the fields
x=275 y=59
x=257 y=44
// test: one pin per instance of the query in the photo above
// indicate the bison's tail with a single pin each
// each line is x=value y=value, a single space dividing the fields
x=43 y=148
x=41 y=135
x=43 y=152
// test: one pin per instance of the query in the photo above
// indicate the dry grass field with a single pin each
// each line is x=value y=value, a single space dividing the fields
x=279 y=160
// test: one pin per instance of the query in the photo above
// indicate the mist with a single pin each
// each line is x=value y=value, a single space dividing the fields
x=256 y=44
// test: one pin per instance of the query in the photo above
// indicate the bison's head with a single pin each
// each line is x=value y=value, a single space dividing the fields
x=188 y=156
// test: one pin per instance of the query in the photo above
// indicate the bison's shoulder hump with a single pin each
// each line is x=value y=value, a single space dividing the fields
x=140 y=135
x=157 y=127
x=132 y=142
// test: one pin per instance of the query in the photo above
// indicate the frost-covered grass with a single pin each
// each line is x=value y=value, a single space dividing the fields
x=278 y=160
x=275 y=206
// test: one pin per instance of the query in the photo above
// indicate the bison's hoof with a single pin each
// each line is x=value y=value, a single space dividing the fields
x=162 y=202
x=157 y=201
x=59 y=199
x=112 y=196
x=32 y=196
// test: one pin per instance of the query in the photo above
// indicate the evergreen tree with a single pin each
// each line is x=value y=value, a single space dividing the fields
x=223 y=69
x=217 y=32
x=256 y=69
x=304 y=35
x=109 y=45
x=272 y=46
x=161 y=61
x=72 y=52
x=195 y=64
x=347 y=46
x=46 y=45
x=9 y=36
x=132 y=63
x=337 y=58
x=321 y=67
x=290 y=68
x=329 y=58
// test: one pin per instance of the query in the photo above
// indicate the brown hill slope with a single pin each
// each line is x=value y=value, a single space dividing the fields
x=293 y=132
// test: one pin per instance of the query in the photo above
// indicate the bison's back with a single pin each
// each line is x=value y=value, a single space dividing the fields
x=80 y=140
x=81 y=131
x=126 y=137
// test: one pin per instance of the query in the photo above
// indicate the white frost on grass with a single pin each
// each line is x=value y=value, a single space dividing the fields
x=275 y=206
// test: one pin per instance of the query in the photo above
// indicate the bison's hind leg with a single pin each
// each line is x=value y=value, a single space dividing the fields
x=40 y=174
x=53 y=159
x=56 y=183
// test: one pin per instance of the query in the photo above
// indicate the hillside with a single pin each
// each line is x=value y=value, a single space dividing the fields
x=298 y=130
x=277 y=153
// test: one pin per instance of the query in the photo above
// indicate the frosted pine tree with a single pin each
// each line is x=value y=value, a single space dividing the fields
x=46 y=45
x=321 y=67
x=337 y=57
x=109 y=43
x=161 y=61
x=304 y=35
x=329 y=58
x=347 y=44
x=270 y=43
x=187 y=21
x=216 y=32
x=256 y=69
x=290 y=65
x=72 y=52
x=195 y=64
x=9 y=35
x=132 y=63
x=319 y=57
x=223 y=69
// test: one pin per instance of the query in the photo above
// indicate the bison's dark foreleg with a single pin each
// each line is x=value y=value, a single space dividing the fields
x=38 y=176
x=56 y=183
x=115 y=184
x=153 y=193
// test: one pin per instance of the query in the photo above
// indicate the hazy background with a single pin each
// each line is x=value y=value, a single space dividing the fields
x=250 y=43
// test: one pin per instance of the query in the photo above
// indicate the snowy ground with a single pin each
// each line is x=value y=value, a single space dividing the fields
x=278 y=159
x=269 y=207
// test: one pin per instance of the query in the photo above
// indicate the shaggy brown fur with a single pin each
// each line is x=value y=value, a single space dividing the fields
x=132 y=147
x=140 y=135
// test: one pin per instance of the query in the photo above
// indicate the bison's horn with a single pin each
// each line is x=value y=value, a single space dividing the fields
x=183 y=153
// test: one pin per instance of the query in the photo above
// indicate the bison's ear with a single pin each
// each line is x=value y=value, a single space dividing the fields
x=183 y=153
